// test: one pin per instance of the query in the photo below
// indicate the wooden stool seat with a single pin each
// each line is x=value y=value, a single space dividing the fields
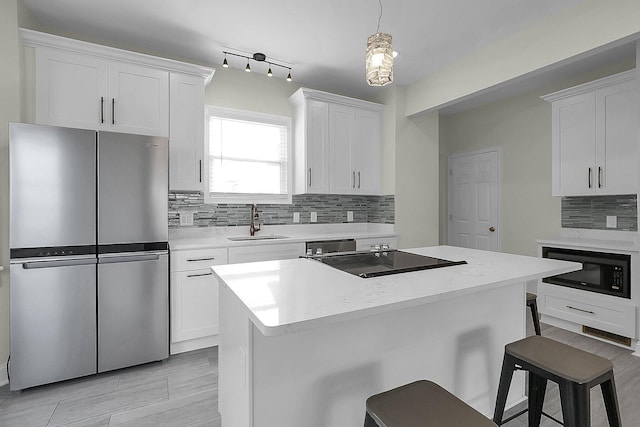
x=421 y=404
x=560 y=360
x=575 y=371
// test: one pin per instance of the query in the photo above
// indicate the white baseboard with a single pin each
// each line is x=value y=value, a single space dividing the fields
x=4 y=380
x=194 y=344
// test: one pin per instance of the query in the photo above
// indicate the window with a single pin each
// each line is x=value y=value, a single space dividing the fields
x=248 y=157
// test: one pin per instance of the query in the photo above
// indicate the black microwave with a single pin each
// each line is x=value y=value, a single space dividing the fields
x=601 y=272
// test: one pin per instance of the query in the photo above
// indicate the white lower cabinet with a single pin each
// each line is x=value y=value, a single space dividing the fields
x=603 y=312
x=194 y=298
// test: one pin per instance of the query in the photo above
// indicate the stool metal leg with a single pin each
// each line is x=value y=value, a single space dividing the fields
x=537 y=389
x=368 y=421
x=576 y=404
x=506 y=375
x=611 y=402
x=533 y=305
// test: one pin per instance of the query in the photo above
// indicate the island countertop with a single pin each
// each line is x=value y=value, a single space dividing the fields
x=288 y=296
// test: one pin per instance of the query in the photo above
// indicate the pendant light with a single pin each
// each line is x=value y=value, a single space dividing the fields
x=248 y=67
x=225 y=64
x=379 y=57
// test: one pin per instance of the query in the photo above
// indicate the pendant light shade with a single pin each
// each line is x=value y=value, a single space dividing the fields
x=379 y=60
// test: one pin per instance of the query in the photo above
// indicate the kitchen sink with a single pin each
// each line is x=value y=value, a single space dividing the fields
x=264 y=237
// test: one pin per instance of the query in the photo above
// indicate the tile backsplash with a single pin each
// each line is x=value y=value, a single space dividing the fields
x=329 y=208
x=590 y=212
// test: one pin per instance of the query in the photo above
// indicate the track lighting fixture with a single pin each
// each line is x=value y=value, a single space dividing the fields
x=258 y=57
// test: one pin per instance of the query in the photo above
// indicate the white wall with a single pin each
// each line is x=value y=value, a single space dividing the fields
x=589 y=25
x=521 y=126
x=9 y=111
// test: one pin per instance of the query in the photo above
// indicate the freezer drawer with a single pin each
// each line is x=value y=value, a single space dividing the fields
x=133 y=309
x=53 y=321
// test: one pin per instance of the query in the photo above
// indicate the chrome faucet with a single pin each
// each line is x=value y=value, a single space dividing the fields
x=255 y=220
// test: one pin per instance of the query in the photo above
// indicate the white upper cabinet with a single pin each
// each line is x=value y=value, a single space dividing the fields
x=89 y=86
x=139 y=99
x=338 y=144
x=71 y=89
x=311 y=146
x=186 y=149
x=595 y=137
x=90 y=92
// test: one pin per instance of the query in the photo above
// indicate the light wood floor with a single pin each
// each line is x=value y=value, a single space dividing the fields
x=183 y=391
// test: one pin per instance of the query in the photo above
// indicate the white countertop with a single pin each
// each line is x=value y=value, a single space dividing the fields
x=217 y=237
x=293 y=295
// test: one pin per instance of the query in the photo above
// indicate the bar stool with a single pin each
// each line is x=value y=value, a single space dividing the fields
x=421 y=404
x=574 y=370
x=533 y=305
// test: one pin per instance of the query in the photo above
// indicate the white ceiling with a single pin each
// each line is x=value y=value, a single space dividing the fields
x=323 y=41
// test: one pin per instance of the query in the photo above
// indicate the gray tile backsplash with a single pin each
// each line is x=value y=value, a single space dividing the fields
x=591 y=212
x=330 y=209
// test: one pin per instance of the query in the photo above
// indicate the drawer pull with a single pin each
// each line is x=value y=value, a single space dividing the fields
x=201 y=259
x=199 y=275
x=579 y=309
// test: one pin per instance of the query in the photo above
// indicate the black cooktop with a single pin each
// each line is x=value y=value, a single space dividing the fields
x=382 y=263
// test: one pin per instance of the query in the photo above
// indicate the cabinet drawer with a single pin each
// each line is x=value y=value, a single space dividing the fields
x=618 y=317
x=265 y=252
x=197 y=259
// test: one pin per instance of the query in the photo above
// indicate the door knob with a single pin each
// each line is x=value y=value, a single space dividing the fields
x=492 y=229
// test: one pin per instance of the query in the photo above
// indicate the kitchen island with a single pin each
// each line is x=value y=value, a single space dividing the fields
x=302 y=343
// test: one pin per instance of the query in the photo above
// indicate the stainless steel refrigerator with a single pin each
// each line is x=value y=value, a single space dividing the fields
x=89 y=253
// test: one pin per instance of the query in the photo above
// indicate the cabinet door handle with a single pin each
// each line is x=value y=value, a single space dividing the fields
x=599 y=177
x=102 y=109
x=589 y=178
x=200 y=164
x=113 y=111
x=358 y=179
x=199 y=275
x=201 y=259
x=309 y=177
x=353 y=179
x=579 y=309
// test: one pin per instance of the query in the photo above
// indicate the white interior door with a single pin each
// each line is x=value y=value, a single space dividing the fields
x=473 y=200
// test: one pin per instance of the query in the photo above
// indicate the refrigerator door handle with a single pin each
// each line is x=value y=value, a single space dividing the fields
x=58 y=263
x=153 y=256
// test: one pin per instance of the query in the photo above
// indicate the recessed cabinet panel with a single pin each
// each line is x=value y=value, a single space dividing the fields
x=316 y=173
x=576 y=134
x=186 y=133
x=617 y=159
x=71 y=89
x=139 y=99
x=342 y=177
x=368 y=152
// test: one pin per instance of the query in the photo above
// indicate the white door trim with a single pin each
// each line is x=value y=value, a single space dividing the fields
x=498 y=151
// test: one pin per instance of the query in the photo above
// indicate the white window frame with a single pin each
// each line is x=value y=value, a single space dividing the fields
x=238 y=198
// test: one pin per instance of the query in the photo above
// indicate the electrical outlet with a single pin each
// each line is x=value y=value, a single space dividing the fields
x=296 y=217
x=186 y=219
x=612 y=221
x=314 y=216
x=349 y=216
